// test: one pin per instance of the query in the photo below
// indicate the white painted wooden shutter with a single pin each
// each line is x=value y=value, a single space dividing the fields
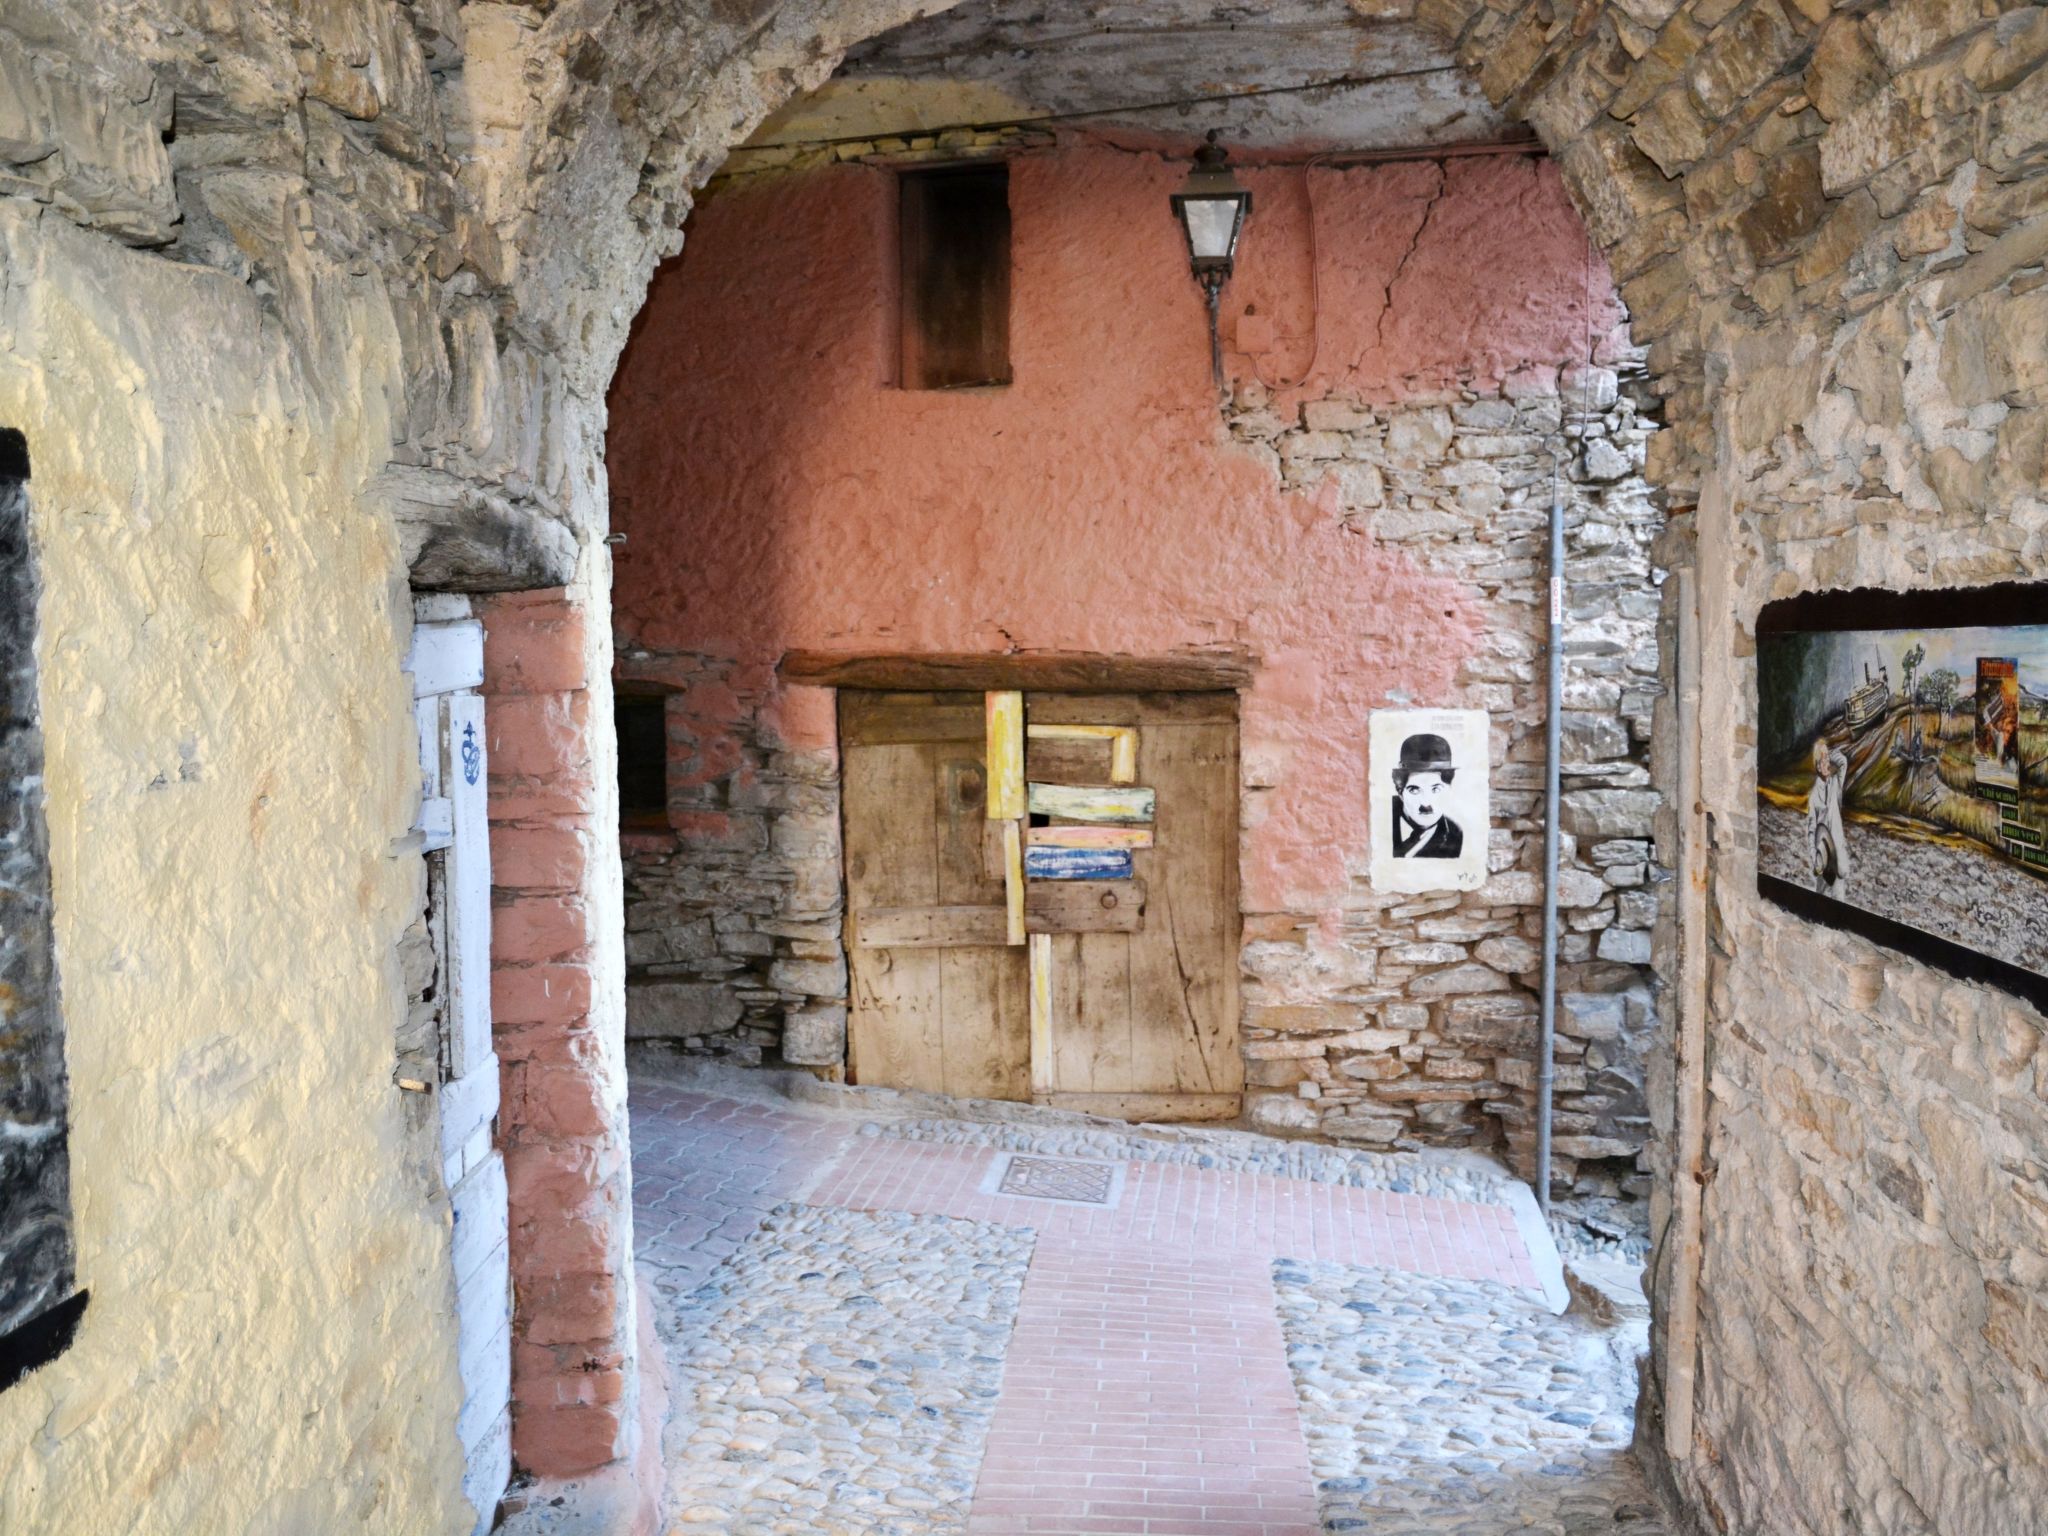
x=447 y=668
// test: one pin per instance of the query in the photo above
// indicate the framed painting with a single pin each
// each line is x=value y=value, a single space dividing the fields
x=1902 y=773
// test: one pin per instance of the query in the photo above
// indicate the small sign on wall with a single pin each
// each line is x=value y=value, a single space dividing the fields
x=1428 y=798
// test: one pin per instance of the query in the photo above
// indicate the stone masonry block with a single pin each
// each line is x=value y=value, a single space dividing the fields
x=814 y=1037
x=674 y=1010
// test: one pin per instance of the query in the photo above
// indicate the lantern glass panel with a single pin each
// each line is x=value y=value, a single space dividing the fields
x=1212 y=226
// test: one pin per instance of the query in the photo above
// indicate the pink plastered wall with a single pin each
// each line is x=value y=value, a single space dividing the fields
x=780 y=493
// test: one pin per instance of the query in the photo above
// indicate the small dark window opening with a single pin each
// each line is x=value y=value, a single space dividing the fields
x=642 y=720
x=39 y=1310
x=954 y=231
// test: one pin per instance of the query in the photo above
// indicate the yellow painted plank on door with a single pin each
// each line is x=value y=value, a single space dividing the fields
x=1123 y=757
x=1126 y=803
x=1013 y=879
x=1005 y=756
x=1041 y=1012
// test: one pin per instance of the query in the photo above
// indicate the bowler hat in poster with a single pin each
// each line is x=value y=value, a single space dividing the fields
x=1426 y=754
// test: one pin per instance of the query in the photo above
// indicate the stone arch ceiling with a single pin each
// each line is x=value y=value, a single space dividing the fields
x=535 y=161
x=1292 y=74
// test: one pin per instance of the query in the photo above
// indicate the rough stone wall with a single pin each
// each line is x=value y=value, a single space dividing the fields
x=735 y=912
x=37 y=1257
x=1831 y=224
x=1405 y=1019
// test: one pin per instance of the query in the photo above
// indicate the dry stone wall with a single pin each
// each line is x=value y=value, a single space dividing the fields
x=1415 y=1021
x=735 y=916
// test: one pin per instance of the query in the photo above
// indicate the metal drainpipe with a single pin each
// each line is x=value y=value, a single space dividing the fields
x=1554 y=736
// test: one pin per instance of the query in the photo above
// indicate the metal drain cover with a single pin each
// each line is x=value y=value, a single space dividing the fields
x=1069 y=1180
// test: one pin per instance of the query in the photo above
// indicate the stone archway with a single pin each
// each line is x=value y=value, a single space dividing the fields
x=417 y=241
x=1784 y=194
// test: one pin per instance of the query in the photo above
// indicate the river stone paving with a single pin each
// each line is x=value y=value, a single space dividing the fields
x=838 y=1373
x=1437 y=1407
x=1448 y=1177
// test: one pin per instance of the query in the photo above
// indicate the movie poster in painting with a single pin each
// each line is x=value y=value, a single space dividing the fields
x=1904 y=773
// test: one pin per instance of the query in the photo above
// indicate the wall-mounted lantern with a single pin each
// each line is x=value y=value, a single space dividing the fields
x=1212 y=208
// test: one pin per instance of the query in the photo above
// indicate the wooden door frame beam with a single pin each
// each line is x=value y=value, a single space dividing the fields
x=1207 y=671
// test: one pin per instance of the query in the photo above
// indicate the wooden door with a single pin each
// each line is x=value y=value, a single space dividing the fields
x=1144 y=1022
x=1132 y=905
x=939 y=1001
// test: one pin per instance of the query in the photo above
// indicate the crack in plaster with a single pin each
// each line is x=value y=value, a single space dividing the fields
x=1379 y=324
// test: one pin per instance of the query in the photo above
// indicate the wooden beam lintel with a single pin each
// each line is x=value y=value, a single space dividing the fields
x=1207 y=671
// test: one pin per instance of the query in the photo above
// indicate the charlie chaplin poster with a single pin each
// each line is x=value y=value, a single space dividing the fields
x=1428 y=799
x=1902 y=773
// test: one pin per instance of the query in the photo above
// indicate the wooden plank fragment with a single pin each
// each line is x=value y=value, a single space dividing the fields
x=1041 y=732
x=906 y=719
x=1085 y=906
x=1184 y=965
x=1101 y=836
x=1121 y=804
x=1005 y=756
x=1047 y=671
x=1132 y=709
x=467 y=1106
x=1013 y=880
x=1041 y=1012
x=932 y=927
x=1092 y=1021
x=894 y=1028
x=1139 y=1107
x=985 y=1012
x=488 y=1471
x=1082 y=764
x=1077 y=863
x=1123 y=756
x=481 y=1215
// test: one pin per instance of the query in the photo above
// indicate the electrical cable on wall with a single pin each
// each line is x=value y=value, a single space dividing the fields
x=1315 y=291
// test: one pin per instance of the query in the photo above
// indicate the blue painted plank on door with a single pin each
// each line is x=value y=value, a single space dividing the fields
x=1077 y=863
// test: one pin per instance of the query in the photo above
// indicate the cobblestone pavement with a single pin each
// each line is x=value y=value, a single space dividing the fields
x=1141 y=1382
x=839 y=1373
x=1434 y=1407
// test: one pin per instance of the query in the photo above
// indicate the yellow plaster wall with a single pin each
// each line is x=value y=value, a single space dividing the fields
x=270 y=1344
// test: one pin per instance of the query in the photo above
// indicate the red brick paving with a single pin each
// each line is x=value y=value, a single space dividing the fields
x=1146 y=1388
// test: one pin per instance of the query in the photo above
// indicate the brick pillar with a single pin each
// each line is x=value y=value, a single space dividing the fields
x=563 y=1125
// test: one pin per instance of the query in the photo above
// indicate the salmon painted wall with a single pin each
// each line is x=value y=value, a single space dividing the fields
x=778 y=492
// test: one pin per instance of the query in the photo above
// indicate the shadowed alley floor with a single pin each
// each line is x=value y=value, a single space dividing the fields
x=874 y=1333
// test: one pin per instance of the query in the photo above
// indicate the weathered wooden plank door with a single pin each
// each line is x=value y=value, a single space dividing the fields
x=1133 y=848
x=1144 y=1019
x=939 y=1000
